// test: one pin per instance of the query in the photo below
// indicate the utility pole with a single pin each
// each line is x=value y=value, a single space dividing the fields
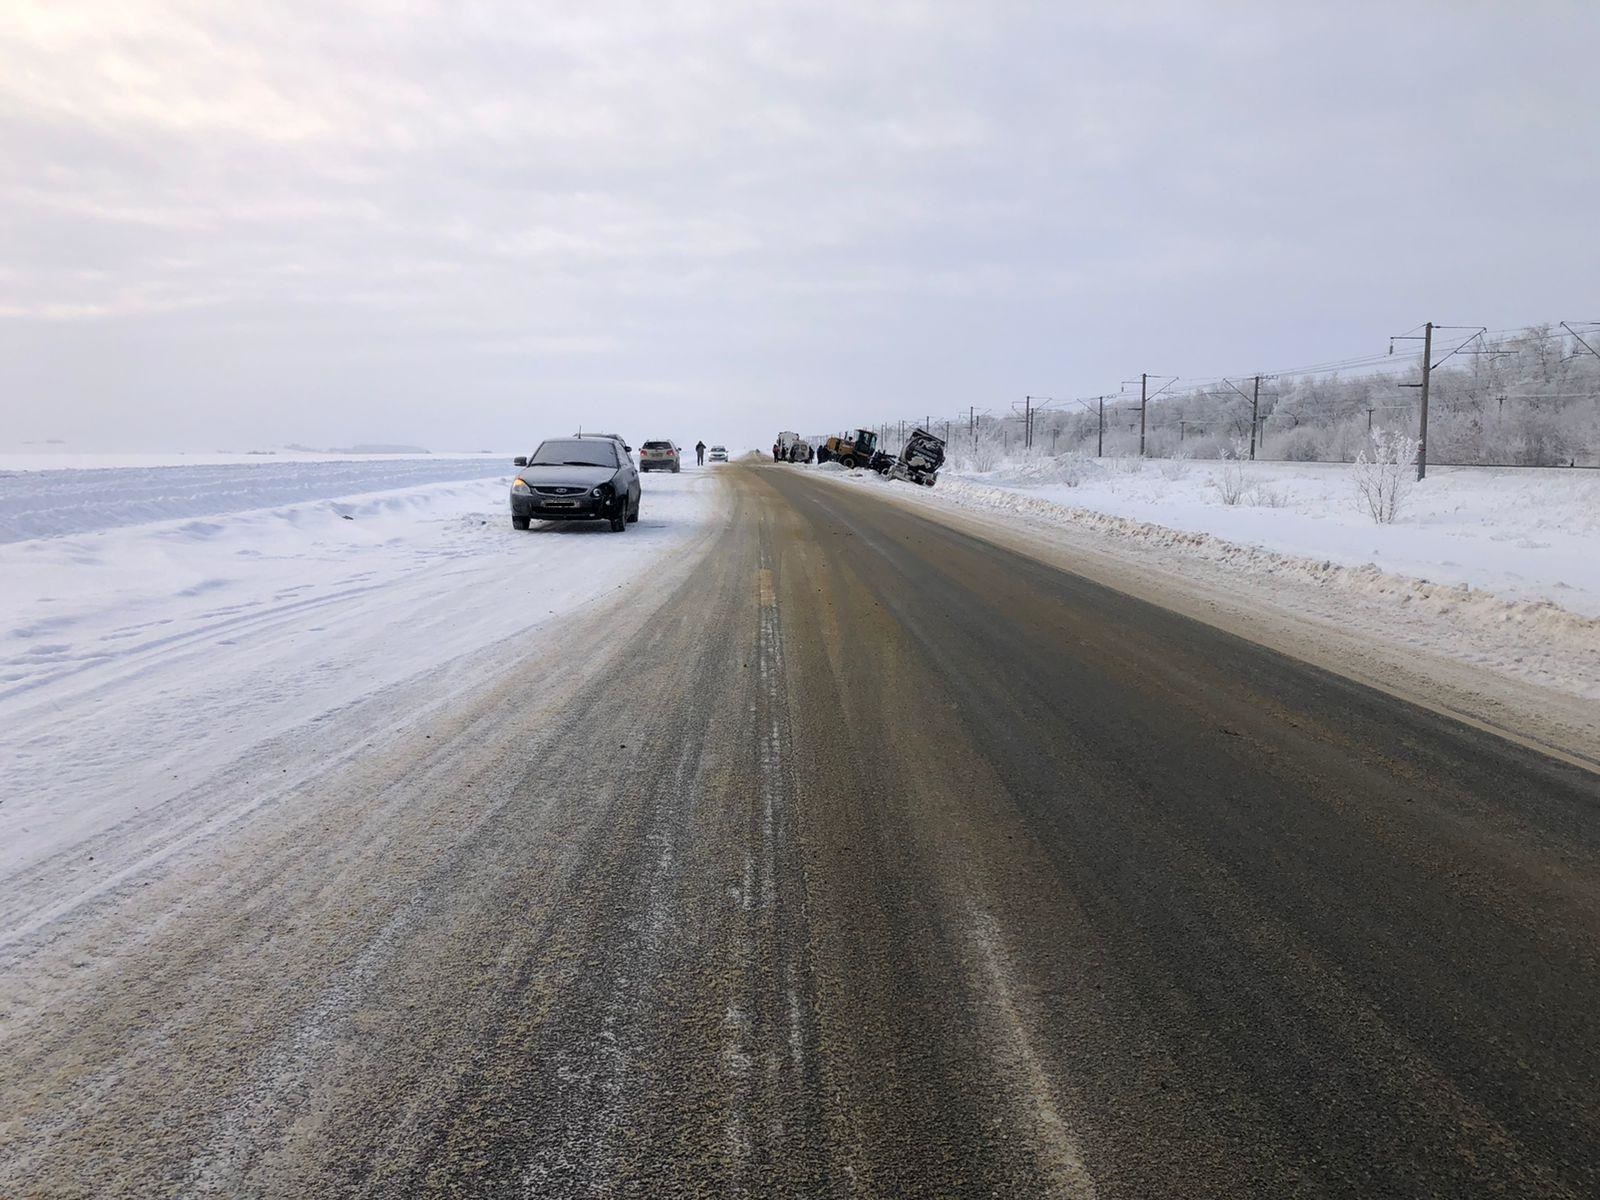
x=1100 y=439
x=1422 y=431
x=1144 y=382
x=1027 y=421
x=1427 y=370
x=1255 y=407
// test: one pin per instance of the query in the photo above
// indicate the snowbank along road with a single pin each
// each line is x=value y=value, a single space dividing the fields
x=142 y=665
x=41 y=503
x=857 y=855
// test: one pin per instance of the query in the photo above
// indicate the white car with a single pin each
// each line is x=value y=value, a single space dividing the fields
x=659 y=456
x=718 y=454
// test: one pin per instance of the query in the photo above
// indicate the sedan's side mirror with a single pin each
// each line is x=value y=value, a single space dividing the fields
x=627 y=447
x=520 y=460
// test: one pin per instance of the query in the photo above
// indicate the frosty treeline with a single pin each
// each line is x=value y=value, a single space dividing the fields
x=1526 y=399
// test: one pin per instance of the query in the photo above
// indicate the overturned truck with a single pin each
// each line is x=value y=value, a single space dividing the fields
x=920 y=459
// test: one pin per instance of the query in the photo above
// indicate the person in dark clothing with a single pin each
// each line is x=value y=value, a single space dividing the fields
x=700 y=454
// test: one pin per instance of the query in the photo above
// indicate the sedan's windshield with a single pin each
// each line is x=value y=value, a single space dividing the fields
x=586 y=452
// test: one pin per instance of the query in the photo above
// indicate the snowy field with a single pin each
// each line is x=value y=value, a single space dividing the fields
x=46 y=460
x=1522 y=534
x=43 y=495
x=137 y=658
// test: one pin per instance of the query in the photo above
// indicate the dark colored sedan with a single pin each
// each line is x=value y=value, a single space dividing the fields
x=576 y=479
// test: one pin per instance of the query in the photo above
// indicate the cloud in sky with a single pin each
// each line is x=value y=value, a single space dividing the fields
x=465 y=224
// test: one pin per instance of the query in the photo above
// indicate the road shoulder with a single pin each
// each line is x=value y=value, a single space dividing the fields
x=1362 y=638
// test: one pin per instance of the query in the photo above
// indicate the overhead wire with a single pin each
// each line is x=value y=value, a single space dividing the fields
x=1178 y=386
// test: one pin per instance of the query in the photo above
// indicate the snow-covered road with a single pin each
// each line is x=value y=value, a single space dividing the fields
x=858 y=854
x=163 y=668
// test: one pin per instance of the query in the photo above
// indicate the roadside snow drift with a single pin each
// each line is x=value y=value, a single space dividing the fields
x=137 y=659
x=1522 y=534
x=47 y=502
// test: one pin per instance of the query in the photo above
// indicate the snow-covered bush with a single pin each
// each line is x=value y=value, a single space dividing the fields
x=985 y=456
x=1383 y=474
x=1347 y=439
x=1229 y=482
x=1176 y=467
x=1070 y=469
x=1262 y=494
x=1161 y=443
x=1211 y=446
x=975 y=455
x=1541 y=439
x=1303 y=443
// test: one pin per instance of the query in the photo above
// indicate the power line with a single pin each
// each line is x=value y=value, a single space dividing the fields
x=1579 y=336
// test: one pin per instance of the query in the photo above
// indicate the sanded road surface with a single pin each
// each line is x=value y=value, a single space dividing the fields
x=866 y=858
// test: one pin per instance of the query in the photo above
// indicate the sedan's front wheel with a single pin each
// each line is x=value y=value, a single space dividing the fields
x=519 y=522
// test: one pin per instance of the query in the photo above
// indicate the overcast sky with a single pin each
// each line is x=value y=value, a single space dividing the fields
x=465 y=225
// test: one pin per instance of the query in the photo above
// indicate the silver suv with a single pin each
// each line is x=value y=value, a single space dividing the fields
x=659 y=456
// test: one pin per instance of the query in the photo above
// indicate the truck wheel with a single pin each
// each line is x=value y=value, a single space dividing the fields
x=519 y=522
x=847 y=463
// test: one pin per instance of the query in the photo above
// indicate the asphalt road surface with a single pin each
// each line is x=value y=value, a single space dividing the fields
x=871 y=859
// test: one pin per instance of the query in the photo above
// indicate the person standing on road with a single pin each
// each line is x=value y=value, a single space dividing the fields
x=700 y=454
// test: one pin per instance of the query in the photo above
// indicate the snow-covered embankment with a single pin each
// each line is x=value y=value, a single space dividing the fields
x=139 y=660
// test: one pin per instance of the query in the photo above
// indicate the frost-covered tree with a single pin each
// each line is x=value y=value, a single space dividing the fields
x=1229 y=482
x=1383 y=474
x=1531 y=398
